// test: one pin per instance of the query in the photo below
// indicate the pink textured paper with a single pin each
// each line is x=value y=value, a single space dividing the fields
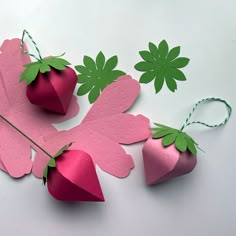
x=103 y=129
x=15 y=153
x=74 y=178
x=164 y=163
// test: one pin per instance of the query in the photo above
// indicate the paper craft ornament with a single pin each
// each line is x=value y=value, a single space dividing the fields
x=97 y=74
x=50 y=82
x=14 y=105
x=171 y=152
x=161 y=65
x=70 y=174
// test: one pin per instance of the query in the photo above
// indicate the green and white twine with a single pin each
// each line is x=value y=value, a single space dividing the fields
x=229 y=112
x=39 y=58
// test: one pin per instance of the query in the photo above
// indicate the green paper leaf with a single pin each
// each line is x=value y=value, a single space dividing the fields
x=45 y=172
x=147 y=77
x=161 y=63
x=159 y=83
x=100 y=60
x=147 y=56
x=161 y=133
x=83 y=79
x=163 y=49
x=177 y=74
x=84 y=88
x=97 y=75
x=153 y=49
x=171 y=84
x=93 y=95
x=169 y=139
x=83 y=70
x=173 y=53
x=55 y=63
x=143 y=66
x=180 y=62
x=30 y=73
x=52 y=163
x=191 y=147
x=180 y=142
x=89 y=63
x=44 y=67
x=63 y=149
x=111 y=63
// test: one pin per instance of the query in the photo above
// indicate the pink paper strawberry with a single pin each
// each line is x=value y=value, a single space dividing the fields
x=71 y=176
x=50 y=81
x=168 y=154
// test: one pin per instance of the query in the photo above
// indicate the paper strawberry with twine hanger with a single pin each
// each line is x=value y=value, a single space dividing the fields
x=172 y=152
x=70 y=174
x=50 y=82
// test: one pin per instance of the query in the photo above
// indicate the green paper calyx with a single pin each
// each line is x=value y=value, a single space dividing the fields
x=161 y=64
x=42 y=66
x=52 y=162
x=182 y=141
x=95 y=75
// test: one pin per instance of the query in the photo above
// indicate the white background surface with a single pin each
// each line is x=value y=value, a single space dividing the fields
x=201 y=203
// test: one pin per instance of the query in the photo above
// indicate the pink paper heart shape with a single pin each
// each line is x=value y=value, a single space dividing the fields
x=53 y=90
x=164 y=163
x=74 y=178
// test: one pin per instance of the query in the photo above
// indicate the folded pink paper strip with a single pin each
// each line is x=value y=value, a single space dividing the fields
x=164 y=163
x=15 y=153
x=74 y=178
x=103 y=129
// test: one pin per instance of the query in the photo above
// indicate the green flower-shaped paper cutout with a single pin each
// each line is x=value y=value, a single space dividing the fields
x=95 y=75
x=161 y=64
x=182 y=141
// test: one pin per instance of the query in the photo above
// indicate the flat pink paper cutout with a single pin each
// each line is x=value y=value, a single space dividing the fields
x=15 y=153
x=103 y=129
x=74 y=178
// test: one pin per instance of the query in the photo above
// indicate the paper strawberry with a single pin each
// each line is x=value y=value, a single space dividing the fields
x=171 y=152
x=168 y=154
x=71 y=176
x=50 y=82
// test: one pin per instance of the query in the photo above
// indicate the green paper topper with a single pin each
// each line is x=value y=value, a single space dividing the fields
x=42 y=66
x=96 y=75
x=183 y=141
x=52 y=162
x=161 y=64
x=170 y=135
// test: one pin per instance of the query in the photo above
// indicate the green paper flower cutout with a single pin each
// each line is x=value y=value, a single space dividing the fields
x=170 y=135
x=161 y=64
x=95 y=75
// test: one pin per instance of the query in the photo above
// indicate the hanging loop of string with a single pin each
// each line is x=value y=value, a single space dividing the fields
x=188 y=122
x=39 y=58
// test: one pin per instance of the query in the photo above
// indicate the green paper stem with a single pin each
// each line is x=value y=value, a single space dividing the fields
x=39 y=58
x=31 y=140
x=229 y=112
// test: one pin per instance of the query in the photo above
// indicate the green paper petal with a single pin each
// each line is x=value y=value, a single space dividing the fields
x=111 y=63
x=147 y=56
x=89 y=63
x=163 y=49
x=147 y=77
x=180 y=62
x=181 y=143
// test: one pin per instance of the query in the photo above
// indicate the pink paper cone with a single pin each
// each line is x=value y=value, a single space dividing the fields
x=74 y=178
x=164 y=163
x=53 y=90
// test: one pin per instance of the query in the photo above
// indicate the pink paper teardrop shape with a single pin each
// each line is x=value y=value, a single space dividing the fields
x=164 y=163
x=53 y=90
x=74 y=178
